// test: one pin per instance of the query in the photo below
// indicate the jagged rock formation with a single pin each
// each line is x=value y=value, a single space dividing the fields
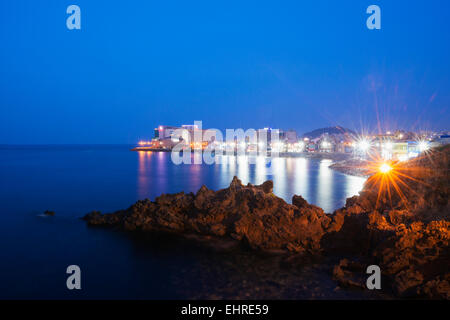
x=252 y=214
x=406 y=233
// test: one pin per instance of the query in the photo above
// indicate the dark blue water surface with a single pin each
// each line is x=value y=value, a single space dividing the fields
x=72 y=180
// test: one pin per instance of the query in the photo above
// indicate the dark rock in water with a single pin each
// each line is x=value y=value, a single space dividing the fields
x=49 y=213
x=407 y=233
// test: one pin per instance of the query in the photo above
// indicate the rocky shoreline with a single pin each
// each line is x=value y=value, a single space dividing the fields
x=354 y=167
x=407 y=234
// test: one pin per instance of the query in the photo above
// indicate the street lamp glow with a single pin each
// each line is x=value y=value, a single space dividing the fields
x=385 y=168
x=423 y=146
x=363 y=145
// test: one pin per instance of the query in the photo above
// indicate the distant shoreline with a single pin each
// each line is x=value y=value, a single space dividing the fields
x=353 y=167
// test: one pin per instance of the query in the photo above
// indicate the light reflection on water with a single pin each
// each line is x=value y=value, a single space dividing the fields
x=74 y=180
x=310 y=178
x=324 y=187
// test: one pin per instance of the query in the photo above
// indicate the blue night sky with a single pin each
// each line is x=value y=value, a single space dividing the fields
x=232 y=64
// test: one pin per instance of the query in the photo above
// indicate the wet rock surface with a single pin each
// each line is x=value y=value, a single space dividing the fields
x=399 y=222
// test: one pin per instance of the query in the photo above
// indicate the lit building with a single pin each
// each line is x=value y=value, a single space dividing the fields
x=326 y=145
x=441 y=140
x=164 y=137
x=311 y=146
x=400 y=151
x=163 y=132
x=291 y=136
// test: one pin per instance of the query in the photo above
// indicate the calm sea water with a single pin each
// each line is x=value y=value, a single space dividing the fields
x=73 y=180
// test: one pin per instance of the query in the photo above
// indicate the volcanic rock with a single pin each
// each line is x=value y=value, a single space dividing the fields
x=252 y=214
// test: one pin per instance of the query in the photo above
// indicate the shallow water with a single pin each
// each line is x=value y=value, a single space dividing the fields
x=73 y=180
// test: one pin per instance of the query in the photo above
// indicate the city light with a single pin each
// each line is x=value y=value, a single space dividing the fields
x=363 y=145
x=278 y=146
x=423 y=146
x=392 y=146
x=144 y=143
x=388 y=146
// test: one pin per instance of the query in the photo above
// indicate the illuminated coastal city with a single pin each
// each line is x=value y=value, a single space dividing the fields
x=225 y=159
x=397 y=145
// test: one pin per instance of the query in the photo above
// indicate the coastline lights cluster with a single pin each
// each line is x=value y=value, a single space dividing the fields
x=325 y=144
x=144 y=143
x=296 y=147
